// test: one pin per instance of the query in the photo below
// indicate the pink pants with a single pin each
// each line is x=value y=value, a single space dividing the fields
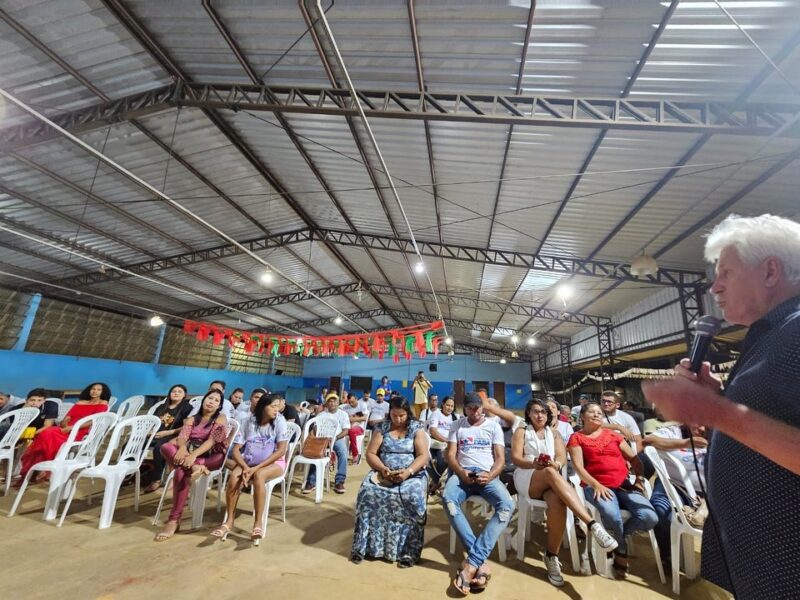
x=354 y=432
x=181 y=482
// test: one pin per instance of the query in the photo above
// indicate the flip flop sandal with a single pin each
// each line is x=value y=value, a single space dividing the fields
x=461 y=584
x=482 y=585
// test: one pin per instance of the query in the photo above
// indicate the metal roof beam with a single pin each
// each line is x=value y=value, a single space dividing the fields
x=411 y=294
x=537 y=262
x=656 y=114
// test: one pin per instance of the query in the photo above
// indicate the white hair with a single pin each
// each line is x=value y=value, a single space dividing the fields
x=758 y=238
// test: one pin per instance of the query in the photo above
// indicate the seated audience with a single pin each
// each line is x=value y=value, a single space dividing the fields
x=439 y=430
x=509 y=422
x=288 y=411
x=540 y=453
x=565 y=414
x=48 y=414
x=378 y=410
x=433 y=406
x=93 y=399
x=476 y=455
x=236 y=398
x=357 y=413
x=5 y=403
x=600 y=457
x=341 y=424
x=391 y=504
x=172 y=414
x=620 y=421
x=199 y=448
x=638 y=416
x=228 y=410
x=304 y=412
x=674 y=439
x=259 y=453
x=563 y=428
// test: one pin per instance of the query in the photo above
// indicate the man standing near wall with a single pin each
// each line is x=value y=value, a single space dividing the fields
x=420 y=388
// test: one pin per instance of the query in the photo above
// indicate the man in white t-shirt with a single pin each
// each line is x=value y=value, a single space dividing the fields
x=476 y=456
x=439 y=429
x=378 y=409
x=619 y=420
x=433 y=406
x=338 y=422
x=674 y=439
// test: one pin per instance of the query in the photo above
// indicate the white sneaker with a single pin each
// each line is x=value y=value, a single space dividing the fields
x=553 y=567
x=603 y=538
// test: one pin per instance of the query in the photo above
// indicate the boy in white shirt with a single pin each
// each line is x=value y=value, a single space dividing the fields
x=476 y=456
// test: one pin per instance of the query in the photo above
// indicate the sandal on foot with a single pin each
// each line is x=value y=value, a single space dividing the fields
x=153 y=487
x=256 y=535
x=163 y=536
x=221 y=532
x=461 y=584
x=481 y=580
x=620 y=569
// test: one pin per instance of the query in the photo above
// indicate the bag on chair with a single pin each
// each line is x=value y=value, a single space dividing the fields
x=315 y=447
x=696 y=513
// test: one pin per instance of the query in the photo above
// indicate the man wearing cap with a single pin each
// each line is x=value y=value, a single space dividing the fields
x=476 y=456
x=342 y=426
x=378 y=409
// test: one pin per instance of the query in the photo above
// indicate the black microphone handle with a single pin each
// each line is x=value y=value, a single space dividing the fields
x=700 y=346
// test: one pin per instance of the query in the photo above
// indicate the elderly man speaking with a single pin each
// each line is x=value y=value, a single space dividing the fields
x=751 y=545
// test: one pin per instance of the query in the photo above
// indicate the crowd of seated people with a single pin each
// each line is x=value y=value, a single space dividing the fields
x=488 y=452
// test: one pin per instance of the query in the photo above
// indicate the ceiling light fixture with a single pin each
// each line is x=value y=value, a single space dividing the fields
x=502 y=361
x=448 y=340
x=338 y=320
x=564 y=292
x=515 y=339
x=267 y=277
x=419 y=268
x=531 y=341
x=156 y=321
x=644 y=265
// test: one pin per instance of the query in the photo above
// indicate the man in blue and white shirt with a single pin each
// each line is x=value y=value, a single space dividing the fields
x=476 y=456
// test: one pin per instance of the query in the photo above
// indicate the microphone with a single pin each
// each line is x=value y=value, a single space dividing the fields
x=705 y=328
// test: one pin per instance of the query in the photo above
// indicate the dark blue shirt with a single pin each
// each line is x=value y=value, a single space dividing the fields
x=753 y=500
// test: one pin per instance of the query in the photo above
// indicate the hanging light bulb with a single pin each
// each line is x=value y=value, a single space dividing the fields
x=419 y=268
x=514 y=354
x=267 y=277
x=502 y=361
x=564 y=292
x=531 y=341
x=338 y=320
x=644 y=265
x=156 y=321
x=448 y=340
x=515 y=339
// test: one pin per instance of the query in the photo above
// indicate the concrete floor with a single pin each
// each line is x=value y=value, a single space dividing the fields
x=306 y=557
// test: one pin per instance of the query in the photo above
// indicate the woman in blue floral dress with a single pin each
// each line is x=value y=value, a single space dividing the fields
x=392 y=502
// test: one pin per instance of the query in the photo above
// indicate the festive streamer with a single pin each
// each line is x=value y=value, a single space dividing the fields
x=406 y=341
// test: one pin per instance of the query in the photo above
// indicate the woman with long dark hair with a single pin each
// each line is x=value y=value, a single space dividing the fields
x=391 y=507
x=199 y=448
x=92 y=400
x=259 y=453
x=539 y=453
x=172 y=413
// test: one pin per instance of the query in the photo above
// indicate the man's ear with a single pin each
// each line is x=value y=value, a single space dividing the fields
x=773 y=271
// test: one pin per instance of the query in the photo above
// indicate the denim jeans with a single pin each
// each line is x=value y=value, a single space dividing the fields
x=663 y=507
x=340 y=450
x=643 y=516
x=495 y=493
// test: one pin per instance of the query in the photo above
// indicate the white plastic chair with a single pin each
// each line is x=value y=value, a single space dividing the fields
x=200 y=486
x=682 y=533
x=15 y=400
x=602 y=563
x=142 y=429
x=326 y=428
x=529 y=509
x=63 y=409
x=58 y=401
x=22 y=418
x=360 y=439
x=502 y=542
x=72 y=456
x=152 y=410
x=111 y=402
x=129 y=407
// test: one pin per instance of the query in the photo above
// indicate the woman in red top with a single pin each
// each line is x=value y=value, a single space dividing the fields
x=48 y=441
x=600 y=458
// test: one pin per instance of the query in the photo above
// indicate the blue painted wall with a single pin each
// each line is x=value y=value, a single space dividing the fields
x=21 y=371
x=517 y=376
